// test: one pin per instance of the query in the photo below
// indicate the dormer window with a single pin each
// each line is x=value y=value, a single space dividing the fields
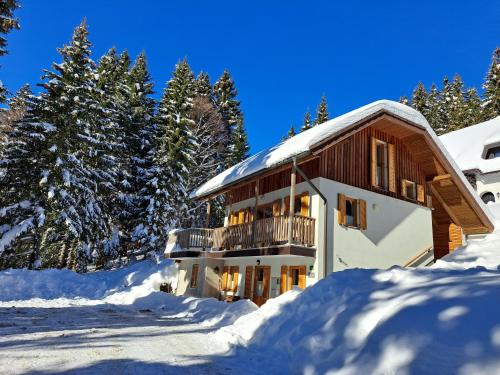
x=493 y=152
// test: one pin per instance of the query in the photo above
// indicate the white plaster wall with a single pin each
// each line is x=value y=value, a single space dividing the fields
x=208 y=280
x=396 y=230
x=488 y=183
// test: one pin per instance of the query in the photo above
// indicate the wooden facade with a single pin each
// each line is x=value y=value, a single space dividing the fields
x=348 y=162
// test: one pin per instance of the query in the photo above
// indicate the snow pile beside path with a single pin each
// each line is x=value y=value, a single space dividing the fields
x=136 y=286
x=438 y=320
x=141 y=277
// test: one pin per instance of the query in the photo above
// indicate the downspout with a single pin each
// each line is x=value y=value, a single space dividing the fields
x=296 y=168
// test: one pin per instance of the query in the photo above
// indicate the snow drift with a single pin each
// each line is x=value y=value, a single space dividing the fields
x=439 y=320
x=136 y=286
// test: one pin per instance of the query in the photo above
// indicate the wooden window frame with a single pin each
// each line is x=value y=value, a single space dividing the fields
x=404 y=189
x=388 y=166
x=299 y=208
x=359 y=214
x=193 y=283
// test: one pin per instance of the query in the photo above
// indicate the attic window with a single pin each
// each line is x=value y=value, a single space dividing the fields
x=493 y=153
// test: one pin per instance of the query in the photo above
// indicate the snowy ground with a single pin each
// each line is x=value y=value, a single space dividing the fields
x=439 y=320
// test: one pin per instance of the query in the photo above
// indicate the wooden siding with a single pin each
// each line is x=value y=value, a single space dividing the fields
x=347 y=162
x=272 y=182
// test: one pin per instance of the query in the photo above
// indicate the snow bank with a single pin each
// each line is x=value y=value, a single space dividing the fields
x=439 y=320
x=467 y=145
x=136 y=286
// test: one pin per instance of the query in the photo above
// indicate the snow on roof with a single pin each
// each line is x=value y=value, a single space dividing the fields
x=303 y=142
x=467 y=146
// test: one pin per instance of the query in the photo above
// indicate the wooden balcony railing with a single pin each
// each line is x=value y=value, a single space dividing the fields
x=262 y=233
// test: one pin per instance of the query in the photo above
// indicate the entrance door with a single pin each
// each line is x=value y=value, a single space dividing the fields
x=262 y=275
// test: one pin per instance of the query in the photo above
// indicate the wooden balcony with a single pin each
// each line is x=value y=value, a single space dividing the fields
x=262 y=233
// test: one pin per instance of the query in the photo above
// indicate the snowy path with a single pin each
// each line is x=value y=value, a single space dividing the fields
x=102 y=339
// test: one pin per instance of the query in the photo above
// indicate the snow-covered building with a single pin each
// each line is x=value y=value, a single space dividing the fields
x=476 y=150
x=372 y=188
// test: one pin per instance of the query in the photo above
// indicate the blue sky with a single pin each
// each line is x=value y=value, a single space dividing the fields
x=283 y=55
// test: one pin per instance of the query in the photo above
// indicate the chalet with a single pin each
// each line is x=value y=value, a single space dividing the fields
x=372 y=188
x=476 y=150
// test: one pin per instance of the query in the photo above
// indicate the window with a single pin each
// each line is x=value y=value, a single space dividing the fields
x=493 y=153
x=409 y=189
x=230 y=277
x=352 y=212
x=194 y=276
x=264 y=212
x=301 y=204
x=259 y=290
x=383 y=165
x=292 y=276
x=240 y=217
x=412 y=190
x=488 y=197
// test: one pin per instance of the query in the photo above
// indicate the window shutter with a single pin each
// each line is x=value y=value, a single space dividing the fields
x=225 y=270
x=194 y=276
x=362 y=214
x=354 y=203
x=373 y=161
x=248 y=282
x=284 y=282
x=304 y=204
x=302 y=277
x=267 y=274
x=341 y=209
x=403 y=187
x=391 y=156
x=277 y=207
x=241 y=217
x=420 y=193
x=287 y=205
x=236 y=274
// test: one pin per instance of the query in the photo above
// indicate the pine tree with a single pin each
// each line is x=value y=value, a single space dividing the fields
x=322 y=111
x=434 y=114
x=229 y=107
x=240 y=143
x=140 y=143
x=456 y=108
x=208 y=136
x=404 y=100
x=174 y=155
x=491 y=88
x=203 y=86
x=419 y=99
x=113 y=96
x=291 y=133
x=80 y=160
x=473 y=111
x=21 y=201
x=306 y=124
x=7 y=24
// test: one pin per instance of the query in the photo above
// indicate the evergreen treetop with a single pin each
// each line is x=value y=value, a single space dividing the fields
x=322 y=111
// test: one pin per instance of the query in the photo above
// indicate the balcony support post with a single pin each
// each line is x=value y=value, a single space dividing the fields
x=291 y=208
x=209 y=212
x=254 y=213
